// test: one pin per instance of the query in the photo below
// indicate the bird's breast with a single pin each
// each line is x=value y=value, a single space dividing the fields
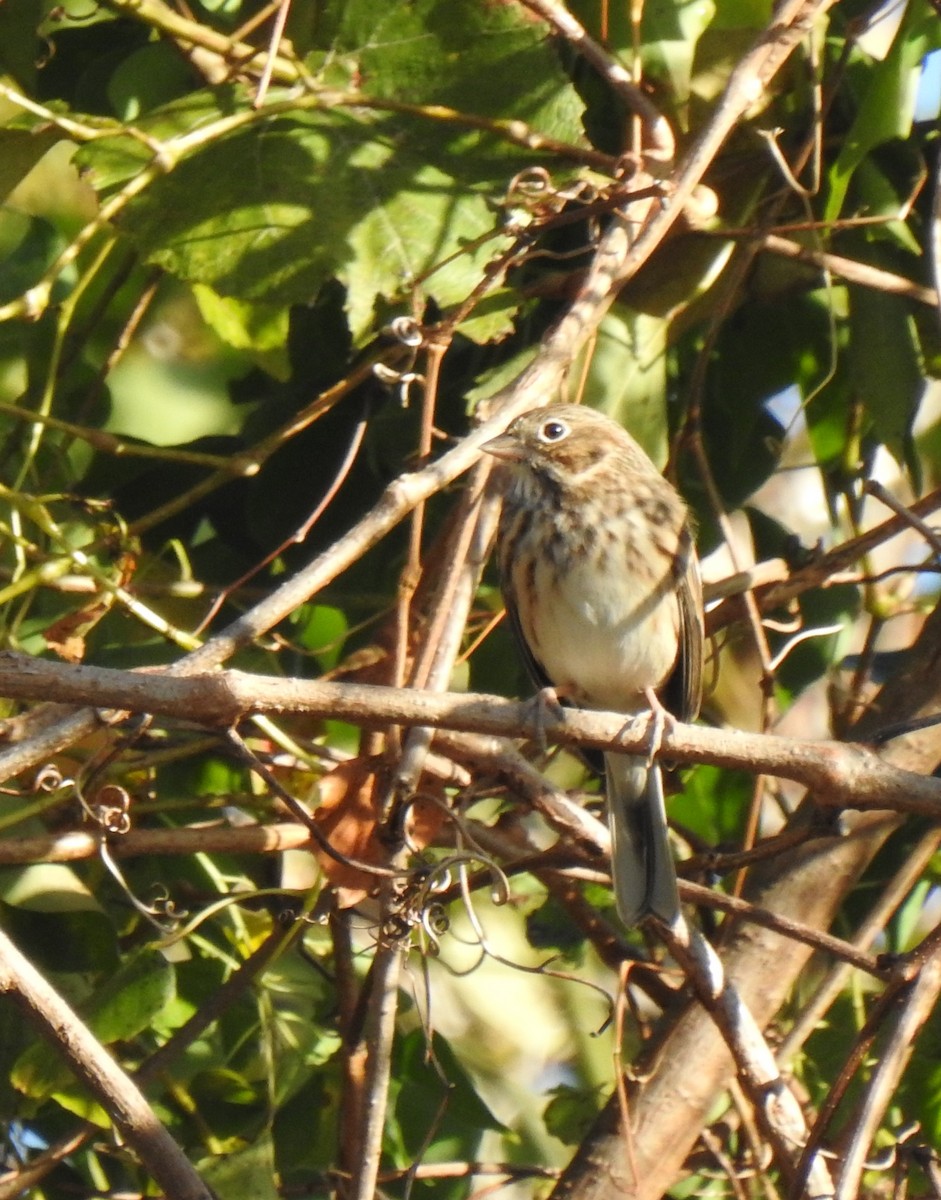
x=596 y=613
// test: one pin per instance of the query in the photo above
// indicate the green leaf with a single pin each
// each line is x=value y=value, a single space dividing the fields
x=885 y=366
x=435 y=1092
x=258 y=327
x=920 y=1090
x=123 y=1006
x=146 y=78
x=910 y=918
x=305 y=1127
x=883 y=194
x=127 y=1002
x=20 y=48
x=56 y=920
x=386 y=202
x=322 y=630
x=222 y=1084
x=20 y=151
x=888 y=92
x=240 y=215
x=68 y=14
x=826 y=608
x=831 y=434
x=550 y=927
x=246 y=1174
x=570 y=1112
x=713 y=803
x=441 y=52
x=493 y=317
x=211 y=775
x=763 y=349
x=81 y=1104
x=46 y=887
x=627 y=377
x=27 y=247
x=109 y=161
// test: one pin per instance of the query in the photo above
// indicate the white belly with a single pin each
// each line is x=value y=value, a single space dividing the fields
x=602 y=637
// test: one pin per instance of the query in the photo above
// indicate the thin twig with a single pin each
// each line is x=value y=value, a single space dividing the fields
x=465 y=557
x=843 y=951
x=881 y=493
x=918 y=1006
x=382 y=989
x=849 y=269
x=219 y=838
x=660 y=142
x=910 y=997
x=826 y=567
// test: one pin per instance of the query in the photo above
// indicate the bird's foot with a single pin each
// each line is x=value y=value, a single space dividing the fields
x=659 y=719
x=546 y=703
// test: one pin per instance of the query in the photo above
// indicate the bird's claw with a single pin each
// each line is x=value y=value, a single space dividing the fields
x=545 y=702
x=657 y=725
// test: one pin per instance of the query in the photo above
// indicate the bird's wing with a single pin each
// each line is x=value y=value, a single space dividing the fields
x=683 y=691
x=537 y=672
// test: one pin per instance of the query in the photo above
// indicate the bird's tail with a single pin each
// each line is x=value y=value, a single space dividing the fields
x=641 y=858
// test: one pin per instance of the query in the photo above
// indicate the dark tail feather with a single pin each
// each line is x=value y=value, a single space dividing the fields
x=641 y=858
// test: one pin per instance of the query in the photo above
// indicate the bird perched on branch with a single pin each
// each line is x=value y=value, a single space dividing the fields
x=601 y=581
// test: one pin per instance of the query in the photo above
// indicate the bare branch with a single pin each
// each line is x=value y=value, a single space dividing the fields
x=847 y=268
x=773 y=1101
x=209 y=839
x=777 y=592
x=842 y=774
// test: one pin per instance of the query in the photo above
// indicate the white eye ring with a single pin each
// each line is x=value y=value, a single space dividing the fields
x=553 y=430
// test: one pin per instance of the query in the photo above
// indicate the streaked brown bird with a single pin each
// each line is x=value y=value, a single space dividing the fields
x=601 y=581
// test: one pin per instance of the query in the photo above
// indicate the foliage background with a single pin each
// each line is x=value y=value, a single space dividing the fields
x=206 y=232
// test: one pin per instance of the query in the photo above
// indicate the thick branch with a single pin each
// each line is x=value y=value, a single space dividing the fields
x=849 y=776
x=774 y=1103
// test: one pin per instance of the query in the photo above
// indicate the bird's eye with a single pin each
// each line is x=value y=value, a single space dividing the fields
x=553 y=431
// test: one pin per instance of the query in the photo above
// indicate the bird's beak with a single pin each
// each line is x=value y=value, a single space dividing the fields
x=505 y=447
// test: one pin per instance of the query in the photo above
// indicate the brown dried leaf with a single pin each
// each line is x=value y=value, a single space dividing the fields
x=67 y=635
x=425 y=817
x=347 y=817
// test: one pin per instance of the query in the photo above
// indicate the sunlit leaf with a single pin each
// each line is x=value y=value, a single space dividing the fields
x=124 y=1005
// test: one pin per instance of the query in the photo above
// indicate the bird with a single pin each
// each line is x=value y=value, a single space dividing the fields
x=600 y=578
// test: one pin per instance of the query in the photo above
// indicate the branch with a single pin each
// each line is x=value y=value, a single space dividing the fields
x=773 y=1101
x=16 y=1182
x=779 y=592
x=910 y=1010
x=842 y=774
x=382 y=995
x=660 y=142
x=793 y=20
x=118 y=1095
x=204 y=839
x=850 y=269
x=871 y=928
x=533 y=387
